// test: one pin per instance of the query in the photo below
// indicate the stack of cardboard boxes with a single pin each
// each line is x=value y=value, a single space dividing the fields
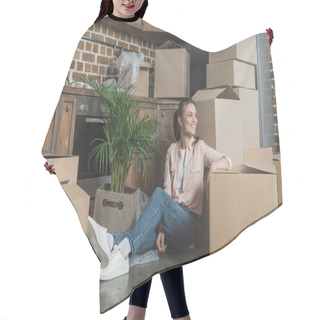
x=231 y=115
x=228 y=121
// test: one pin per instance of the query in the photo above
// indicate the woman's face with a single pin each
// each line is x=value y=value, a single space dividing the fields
x=126 y=8
x=189 y=120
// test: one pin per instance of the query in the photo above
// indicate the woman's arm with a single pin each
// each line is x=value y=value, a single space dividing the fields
x=222 y=163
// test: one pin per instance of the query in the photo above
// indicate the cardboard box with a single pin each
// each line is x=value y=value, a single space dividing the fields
x=220 y=121
x=142 y=82
x=240 y=197
x=66 y=168
x=250 y=117
x=231 y=72
x=81 y=202
x=245 y=51
x=172 y=71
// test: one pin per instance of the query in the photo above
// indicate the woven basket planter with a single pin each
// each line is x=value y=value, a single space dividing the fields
x=116 y=211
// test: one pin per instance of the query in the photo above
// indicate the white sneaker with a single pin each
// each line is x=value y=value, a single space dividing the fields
x=97 y=235
x=117 y=266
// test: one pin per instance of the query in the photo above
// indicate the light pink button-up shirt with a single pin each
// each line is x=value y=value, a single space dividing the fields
x=198 y=156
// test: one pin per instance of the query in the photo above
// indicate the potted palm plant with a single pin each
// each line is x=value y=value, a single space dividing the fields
x=129 y=138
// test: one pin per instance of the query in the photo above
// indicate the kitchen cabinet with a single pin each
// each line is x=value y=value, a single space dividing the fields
x=59 y=139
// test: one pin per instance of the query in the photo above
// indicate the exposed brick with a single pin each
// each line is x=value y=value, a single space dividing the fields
x=103 y=50
x=275 y=118
x=102 y=70
x=91 y=28
x=95 y=68
x=145 y=51
x=140 y=42
x=97 y=28
x=88 y=57
x=73 y=64
x=129 y=38
x=81 y=45
x=123 y=36
x=76 y=76
x=102 y=60
x=152 y=54
x=95 y=48
x=87 y=34
x=87 y=67
x=79 y=66
x=148 y=44
x=110 y=41
x=104 y=30
x=123 y=44
x=104 y=79
x=110 y=32
x=89 y=46
x=109 y=51
x=117 y=53
x=134 y=48
x=117 y=34
x=135 y=40
x=274 y=101
x=77 y=55
x=97 y=37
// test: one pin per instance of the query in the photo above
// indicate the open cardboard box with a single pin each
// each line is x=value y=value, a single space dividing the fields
x=172 y=71
x=220 y=121
x=241 y=196
x=66 y=169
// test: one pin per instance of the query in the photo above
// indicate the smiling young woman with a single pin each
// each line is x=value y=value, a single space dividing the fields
x=123 y=8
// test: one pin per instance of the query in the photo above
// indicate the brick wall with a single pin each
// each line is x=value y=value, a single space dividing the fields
x=98 y=49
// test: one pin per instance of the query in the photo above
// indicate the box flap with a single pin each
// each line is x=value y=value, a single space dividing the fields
x=66 y=167
x=260 y=159
x=169 y=45
x=146 y=65
x=217 y=93
x=228 y=93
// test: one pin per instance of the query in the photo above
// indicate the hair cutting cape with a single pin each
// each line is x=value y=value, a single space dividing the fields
x=234 y=94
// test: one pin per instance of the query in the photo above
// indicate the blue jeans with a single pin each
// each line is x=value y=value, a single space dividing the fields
x=177 y=222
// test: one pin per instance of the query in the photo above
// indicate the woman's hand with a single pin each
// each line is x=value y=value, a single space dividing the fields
x=160 y=242
x=49 y=168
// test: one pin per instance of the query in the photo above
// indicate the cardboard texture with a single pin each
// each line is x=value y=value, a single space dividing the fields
x=245 y=51
x=221 y=121
x=232 y=72
x=250 y=117
x=240 y=197
x=172 y=71
x=81 y=202
x=142 y=81
x=66 y=168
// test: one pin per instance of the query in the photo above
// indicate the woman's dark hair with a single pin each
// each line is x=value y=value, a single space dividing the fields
x=179 y=113
x=106 y=7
